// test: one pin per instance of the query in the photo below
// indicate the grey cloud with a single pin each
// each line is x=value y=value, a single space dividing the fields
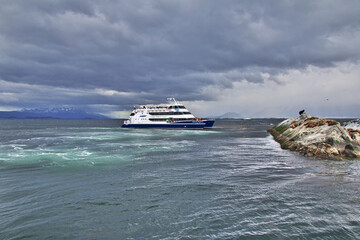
x=164 y=48
x=19 y=95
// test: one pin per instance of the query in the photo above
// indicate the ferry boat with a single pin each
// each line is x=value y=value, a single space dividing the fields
x=171 y=115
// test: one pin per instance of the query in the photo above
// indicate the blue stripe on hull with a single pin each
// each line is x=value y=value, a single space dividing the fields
x=209 y=123
x=170 y=125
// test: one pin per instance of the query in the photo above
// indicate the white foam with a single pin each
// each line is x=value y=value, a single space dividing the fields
x=85 y=153
x=18 y=146
x=353 y=124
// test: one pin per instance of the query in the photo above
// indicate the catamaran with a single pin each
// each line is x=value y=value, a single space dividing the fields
x=171 y=115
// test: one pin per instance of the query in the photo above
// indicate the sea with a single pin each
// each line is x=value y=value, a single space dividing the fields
x=91 y=179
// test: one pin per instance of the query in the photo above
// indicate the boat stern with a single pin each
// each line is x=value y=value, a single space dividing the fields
x=209 y=123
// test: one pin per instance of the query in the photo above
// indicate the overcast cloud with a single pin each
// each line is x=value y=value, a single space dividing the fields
x=257 y=58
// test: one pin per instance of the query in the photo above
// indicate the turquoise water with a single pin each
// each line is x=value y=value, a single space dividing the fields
x=90 y=179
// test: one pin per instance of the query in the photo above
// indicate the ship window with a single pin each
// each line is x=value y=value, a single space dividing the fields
x=168 y=113
x=175 y=119
x=132 y=114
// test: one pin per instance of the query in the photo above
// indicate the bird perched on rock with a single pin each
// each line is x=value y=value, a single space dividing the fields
x=302 y=111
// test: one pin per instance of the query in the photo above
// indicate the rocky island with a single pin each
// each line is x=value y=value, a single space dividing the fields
x=317 y=137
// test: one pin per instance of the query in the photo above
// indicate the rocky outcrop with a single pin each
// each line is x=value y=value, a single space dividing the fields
x=316 y=137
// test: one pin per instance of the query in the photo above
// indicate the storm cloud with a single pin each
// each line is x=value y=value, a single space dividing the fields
x=119 y=53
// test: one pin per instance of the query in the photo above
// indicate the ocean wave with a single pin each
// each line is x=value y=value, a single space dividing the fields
x=354 y=124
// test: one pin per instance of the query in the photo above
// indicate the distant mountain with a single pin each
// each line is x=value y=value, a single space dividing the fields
x=59 y=113
x=228 y=115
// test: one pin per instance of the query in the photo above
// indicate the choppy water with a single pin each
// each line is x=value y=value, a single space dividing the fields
x=354 y=124
x=90 y=179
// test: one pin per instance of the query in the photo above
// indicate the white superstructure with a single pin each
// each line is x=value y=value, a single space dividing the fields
x=162 y=113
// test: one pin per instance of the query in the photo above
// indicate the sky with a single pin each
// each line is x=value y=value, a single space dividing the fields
x=256 y=58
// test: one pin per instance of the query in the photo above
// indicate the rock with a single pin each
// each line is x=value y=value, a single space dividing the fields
x=349 y=147
x=354 y=134
x=330 y=141
x=317 y=137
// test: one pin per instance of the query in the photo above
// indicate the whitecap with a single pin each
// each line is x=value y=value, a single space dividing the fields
x=355 y=124
x=84 y=153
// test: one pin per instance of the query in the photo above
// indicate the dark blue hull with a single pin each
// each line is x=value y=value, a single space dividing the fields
x=209 y=123
x=199 y=125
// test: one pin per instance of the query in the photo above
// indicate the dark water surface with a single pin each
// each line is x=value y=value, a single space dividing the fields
x=90 y=179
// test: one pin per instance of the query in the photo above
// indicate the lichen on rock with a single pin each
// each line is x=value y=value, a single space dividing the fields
x=317 y=137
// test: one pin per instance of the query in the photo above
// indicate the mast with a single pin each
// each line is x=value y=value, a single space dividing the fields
x=172 y=99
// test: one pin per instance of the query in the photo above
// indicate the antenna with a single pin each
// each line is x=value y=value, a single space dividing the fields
x=172 y=99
